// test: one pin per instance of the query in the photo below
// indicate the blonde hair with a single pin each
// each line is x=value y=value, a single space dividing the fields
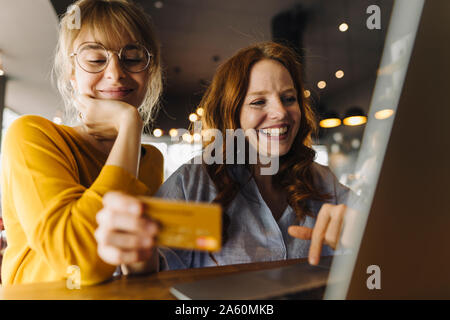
x=108 y=19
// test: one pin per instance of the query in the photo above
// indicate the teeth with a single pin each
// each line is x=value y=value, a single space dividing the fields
x=275 y=131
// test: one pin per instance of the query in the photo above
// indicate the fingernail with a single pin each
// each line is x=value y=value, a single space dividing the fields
x=313 y=260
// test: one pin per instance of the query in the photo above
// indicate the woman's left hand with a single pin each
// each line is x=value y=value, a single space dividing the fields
x=327 y=230
x=104 y=118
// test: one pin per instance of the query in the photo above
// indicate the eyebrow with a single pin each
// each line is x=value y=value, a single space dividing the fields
x=92 y=45
x=96 y=45
x=260 y=93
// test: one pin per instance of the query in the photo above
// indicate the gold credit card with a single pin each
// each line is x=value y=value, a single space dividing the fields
x=186 y=225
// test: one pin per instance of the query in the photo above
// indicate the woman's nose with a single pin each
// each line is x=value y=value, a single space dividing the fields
x=277 y=111
x=114 y=70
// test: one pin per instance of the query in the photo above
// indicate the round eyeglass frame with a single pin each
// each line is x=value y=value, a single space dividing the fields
x=108 y=56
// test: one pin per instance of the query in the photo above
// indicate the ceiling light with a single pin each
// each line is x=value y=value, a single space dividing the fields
x=193 y=117
x=384 y=114
x=330 y=120
x=157 y=133
x=173 y=132
x=343 y=27
x=354 y=117
x=200 y=111
x=339 y=74
x=158 y=4
x=321 y=84
x=355 y=121
x=330 y=123
x=307 y=93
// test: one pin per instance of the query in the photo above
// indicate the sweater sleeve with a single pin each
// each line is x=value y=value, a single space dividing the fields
x=56 y=212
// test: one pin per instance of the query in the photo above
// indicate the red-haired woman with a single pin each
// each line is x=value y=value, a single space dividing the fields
x=295 y=212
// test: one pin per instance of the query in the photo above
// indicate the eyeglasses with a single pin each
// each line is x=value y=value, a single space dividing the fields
x=93 y=57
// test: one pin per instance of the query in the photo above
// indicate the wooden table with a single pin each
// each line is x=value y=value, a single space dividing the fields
x=153 y=287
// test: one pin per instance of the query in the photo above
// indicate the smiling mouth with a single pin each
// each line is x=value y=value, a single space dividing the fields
x=279 y=132
x=116 y=92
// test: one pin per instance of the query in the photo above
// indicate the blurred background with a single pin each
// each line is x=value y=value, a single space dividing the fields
x=340 y=55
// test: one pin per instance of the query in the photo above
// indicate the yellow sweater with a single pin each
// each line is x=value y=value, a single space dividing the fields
x=52 y=184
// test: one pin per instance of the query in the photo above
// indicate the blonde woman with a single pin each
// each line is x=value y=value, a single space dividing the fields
x=54 y=176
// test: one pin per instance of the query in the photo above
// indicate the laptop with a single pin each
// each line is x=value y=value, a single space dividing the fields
x=400 y=247
x=273 y=283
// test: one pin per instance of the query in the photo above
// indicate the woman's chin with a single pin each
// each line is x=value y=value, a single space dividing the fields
x=128 y=101
x=276 y=151
x=270 y=151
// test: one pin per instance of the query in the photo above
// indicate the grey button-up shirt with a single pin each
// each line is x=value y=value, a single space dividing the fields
x=253 y=234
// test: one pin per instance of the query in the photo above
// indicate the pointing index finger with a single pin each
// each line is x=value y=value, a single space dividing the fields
x=318 y=235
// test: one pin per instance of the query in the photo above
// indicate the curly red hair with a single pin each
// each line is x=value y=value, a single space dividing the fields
x=222 y=104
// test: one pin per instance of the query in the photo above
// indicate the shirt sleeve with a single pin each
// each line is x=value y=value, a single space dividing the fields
x=56 y=212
